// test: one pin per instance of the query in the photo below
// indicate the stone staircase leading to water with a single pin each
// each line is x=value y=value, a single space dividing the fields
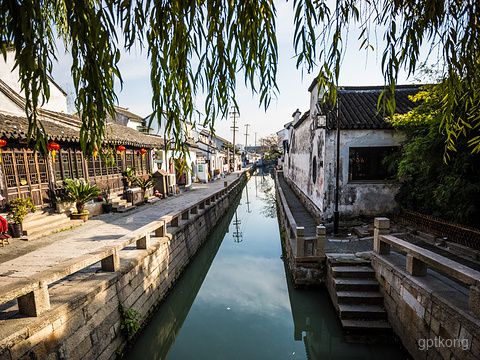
x=359 y=303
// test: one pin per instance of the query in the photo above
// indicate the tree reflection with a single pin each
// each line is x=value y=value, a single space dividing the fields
x=267 y=187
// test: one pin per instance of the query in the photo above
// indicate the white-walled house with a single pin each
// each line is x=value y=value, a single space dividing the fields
x=10 y=81
x=365 y=187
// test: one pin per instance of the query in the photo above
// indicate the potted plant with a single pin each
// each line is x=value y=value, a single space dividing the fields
x=80 y=192
x=144 y=184
x=107 y=203
x=130 y=175
x=18 y=210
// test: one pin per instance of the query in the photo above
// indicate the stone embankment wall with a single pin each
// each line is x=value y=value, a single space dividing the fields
x=84 y=321
x=431 y=322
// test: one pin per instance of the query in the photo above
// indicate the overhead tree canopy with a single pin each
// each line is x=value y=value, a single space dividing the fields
x=201 y=45
x=193 y=46
x=450 y=28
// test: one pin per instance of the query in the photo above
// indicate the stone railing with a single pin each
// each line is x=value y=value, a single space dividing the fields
x=418 y=259
x=32 y=293
x=303 y=247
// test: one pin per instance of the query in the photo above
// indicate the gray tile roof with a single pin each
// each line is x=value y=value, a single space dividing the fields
x=66 y=128
x=358 y=107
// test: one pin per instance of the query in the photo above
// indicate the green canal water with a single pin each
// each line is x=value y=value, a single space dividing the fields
x=234 y=301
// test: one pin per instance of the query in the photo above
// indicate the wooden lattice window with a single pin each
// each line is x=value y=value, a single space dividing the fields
x=129 y=160
x=9 y=168
x=79 y=162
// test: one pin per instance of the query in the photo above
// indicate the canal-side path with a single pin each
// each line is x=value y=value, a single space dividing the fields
x=21 y=260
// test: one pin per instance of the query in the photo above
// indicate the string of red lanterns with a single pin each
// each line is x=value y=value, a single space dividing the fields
x=143 y=152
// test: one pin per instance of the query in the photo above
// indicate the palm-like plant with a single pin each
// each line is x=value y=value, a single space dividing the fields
x=81 y=192
x=144 y=184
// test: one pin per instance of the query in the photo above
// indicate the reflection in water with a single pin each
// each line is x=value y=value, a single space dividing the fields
x=245 y=307
x=160 y=334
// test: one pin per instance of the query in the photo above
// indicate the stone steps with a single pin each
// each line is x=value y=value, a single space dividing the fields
x=125 y=208
x=54 y=228
x=362 y=272
x=360 y=297
x=362 y=312
x=121 y=205
x=356 y=284
x=362 y=325
x=359 y=301
x=44 y=222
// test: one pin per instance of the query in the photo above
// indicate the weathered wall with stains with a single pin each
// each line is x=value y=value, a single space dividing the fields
x=358 y=197
x=304 y=163
x=311 y=160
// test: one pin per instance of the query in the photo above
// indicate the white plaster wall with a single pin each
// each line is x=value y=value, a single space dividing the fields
x=306 y=148
x=358 y=197
x=57 y=101
x=7 y=106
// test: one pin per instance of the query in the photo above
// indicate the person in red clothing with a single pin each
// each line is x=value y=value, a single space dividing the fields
x=3 y=226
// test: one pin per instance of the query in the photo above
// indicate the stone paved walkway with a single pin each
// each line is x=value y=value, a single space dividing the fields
x=22 y=259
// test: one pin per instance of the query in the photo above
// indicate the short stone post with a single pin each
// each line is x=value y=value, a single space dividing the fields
x=160 y=231
x=382 y=227
x=474 y=300
x=144 y=242
x=34 y=303
x=416 y=267
x=175 y=221
x=112 y=262
x=320 y=245
x=225 y=183
x=300 y=242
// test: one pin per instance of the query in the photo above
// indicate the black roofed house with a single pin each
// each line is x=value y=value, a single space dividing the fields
x=365 y=186
x=26 y=173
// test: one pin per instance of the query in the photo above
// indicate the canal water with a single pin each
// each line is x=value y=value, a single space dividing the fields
x=234 y=301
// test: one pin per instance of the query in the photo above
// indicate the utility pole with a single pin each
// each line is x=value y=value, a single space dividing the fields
x=255 y=145
x=246 y=136
x=237 y=234
x=234 y=114
x=337 y=173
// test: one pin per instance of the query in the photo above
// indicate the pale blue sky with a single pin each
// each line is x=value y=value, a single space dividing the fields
x=358 y=69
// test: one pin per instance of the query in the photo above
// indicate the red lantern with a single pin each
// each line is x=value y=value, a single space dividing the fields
x=2 y=144
x=121 y=149
x=53 y=147
x=143 y=152
x=95 y=152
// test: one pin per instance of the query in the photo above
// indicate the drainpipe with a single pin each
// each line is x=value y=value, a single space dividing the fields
x=337 y=171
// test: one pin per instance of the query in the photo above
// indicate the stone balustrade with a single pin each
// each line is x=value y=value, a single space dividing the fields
x=304 y=247
x=418 y=259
